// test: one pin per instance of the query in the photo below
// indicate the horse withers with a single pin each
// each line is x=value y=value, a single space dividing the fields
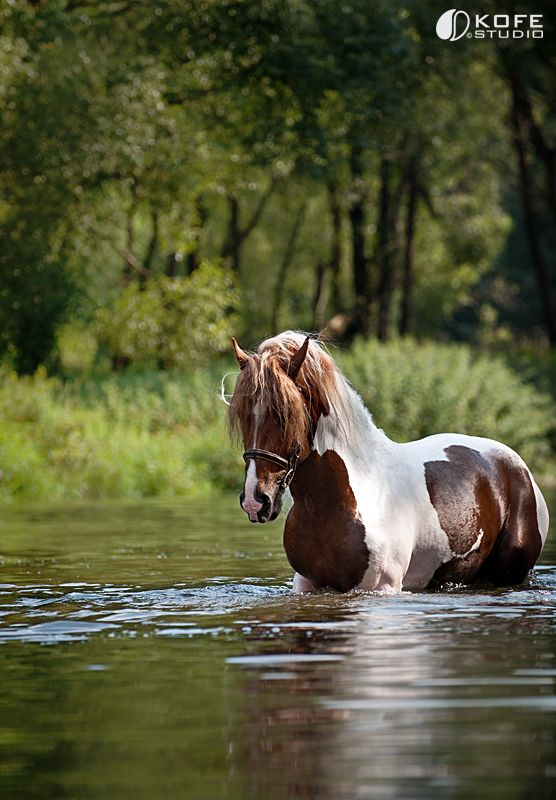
x=367 y=512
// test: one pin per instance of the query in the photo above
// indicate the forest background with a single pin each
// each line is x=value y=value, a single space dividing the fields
x=176 y=172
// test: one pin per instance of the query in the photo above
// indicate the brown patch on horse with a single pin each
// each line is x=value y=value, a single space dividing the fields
x=486 y=505
x=293 y=405
x=323 y=538
x=519 y=544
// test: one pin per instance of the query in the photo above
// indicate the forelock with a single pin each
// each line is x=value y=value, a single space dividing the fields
x=264 y=380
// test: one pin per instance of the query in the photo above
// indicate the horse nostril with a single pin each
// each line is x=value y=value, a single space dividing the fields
x=266 y=506
x=261 y=498
x=241 y=499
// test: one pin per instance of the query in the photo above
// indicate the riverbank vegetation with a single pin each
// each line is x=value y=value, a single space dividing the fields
x=164 y=433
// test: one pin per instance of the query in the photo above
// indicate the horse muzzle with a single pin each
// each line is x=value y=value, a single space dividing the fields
x=261 y=507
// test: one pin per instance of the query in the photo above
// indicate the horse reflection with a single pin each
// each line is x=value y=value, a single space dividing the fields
x=407 y=704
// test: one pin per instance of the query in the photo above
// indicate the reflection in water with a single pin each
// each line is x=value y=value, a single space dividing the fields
x=426 y=695
x=156 y=651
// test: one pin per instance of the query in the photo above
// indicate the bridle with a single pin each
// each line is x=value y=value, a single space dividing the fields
x=288 y=464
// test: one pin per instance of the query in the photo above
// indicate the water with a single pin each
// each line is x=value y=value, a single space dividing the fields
x=155 y=651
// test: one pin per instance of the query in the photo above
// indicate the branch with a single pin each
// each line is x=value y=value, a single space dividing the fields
x=244 y=232
x=111 y=8
x=128 y=257
x=285 y=264
x=523 y=101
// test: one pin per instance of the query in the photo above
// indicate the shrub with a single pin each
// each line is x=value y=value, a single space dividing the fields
x=172 y=322
x=126 y=436
x=414 y=390
x=164 y=433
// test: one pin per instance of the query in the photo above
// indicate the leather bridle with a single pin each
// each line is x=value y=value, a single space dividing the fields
x=288 y=464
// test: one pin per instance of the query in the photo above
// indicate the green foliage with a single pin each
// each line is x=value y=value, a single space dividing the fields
x=172 y=322
x=126 y=436
x=161 y=433
x=76 y=348
x=154 y=138
x=414 y=390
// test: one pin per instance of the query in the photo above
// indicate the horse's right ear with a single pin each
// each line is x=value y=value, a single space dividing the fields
x=296 y=361
x=241 y=355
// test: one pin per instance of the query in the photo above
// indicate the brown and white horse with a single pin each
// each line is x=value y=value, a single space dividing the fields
x=369 y=512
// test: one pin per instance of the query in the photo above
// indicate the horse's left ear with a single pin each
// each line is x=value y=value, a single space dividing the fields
x=297 y=360
x=241 y=355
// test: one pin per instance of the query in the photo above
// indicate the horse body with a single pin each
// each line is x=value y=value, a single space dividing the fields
x=374 y=514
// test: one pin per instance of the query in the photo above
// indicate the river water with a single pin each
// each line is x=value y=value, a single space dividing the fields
x=154 y=650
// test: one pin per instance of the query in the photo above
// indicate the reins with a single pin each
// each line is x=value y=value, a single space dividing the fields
x=288 y=464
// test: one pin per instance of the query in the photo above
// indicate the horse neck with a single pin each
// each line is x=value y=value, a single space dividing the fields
x=349 y=431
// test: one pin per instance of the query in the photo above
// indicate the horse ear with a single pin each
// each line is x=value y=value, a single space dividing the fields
x=297 y=360
x=241 y=355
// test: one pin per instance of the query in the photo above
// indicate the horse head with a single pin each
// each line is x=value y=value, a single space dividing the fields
x=275 y=409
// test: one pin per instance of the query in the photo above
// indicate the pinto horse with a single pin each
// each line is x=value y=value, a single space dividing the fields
x=367 y=512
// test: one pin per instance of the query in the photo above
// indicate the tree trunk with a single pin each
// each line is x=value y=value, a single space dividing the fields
x=335 y=261
x=285 y=265
x=128 y=271
x=318 y=311
x=359 y=259
x=533 y=133
x=409 y=252
x=232 y=248
x=152 y=247
x=172 y=264
x=231 y=252
x=384 y=252
x=520 y=125
x=201 y=213
x=119 y=363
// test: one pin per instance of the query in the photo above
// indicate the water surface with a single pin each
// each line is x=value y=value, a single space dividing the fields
x=154 y=650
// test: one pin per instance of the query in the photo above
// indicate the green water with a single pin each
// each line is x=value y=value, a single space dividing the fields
x=155 y=651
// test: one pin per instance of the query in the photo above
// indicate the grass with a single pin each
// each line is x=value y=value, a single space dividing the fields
x=155 y=434
x=164 y=434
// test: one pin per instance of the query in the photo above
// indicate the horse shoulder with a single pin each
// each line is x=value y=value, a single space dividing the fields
x=324 y=537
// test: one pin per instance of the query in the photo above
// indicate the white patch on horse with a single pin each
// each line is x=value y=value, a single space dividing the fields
x=302 y=584
x=250 y=504
x=542 y=512
x=472 y=548
x=403 y=534
x=365 y=451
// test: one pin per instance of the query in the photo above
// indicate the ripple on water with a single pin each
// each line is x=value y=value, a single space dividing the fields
x=123 y=609
x=77 y=611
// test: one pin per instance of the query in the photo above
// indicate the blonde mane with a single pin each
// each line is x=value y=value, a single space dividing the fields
x=264 y=383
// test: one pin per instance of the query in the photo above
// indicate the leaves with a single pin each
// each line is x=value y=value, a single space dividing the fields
x=128 y=127
x=172 y=322
x=416 y=390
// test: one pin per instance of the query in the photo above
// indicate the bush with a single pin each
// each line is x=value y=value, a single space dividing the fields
x=414 y=390
x=171 y=322
x=126 y=436
x=163 y=433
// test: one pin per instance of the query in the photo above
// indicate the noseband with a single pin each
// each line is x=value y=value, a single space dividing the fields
x=289 y=464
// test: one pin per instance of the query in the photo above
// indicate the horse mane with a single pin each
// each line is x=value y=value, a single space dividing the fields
x=264 y=384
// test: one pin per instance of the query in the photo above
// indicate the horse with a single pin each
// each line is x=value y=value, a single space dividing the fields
x=369 y=513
